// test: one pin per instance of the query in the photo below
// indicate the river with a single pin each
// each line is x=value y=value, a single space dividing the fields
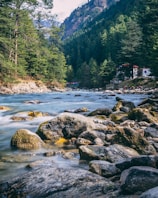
x=12 y=162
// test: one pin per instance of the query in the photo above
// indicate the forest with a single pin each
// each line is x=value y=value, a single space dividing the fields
x=126 y=33
x=27 y=50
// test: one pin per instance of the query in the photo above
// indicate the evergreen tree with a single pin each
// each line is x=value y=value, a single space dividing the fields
x=149 y=18
x=131 y=43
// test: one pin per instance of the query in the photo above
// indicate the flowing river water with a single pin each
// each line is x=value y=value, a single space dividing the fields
x=13 y=162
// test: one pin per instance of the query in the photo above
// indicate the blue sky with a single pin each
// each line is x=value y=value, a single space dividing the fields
x=63 y=8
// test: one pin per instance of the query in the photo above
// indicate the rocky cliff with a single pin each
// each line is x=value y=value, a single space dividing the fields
x=84 y=14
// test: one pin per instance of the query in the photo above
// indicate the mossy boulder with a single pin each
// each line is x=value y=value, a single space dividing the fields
x=112 y=153
x=66 y=125
x=122 y=103
x=118 y=117
x=35 y=114
x=143 y=114
x=26 y=140
x=101 y=111
x=129 y=137
x=20 y=118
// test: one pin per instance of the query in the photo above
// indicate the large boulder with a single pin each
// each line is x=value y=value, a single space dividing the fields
x=134 y=139
x=138 y=179
x=67 y=125
x=27 y=140
x=96 y=137
x=142 y=160
x=143 y=114
x=103 y=168
x=49 y=181
x=152 y=131
x=118 y=117
x=101 y=111
x=112 y=153
x=122 y=104
x=151 y=193
x=151 y=101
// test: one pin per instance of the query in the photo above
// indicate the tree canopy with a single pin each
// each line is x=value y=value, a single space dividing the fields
x=25 y=50
x=125 y=33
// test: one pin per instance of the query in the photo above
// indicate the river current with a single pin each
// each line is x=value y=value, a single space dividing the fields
x=12 y=162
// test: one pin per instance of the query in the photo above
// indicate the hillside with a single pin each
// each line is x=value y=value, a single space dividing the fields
x=125 y=33
x=84 y=14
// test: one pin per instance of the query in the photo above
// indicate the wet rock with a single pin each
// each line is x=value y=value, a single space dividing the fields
x=112 y=153
x=125 y=109
x=67 y=125
x=152 y=131
x=33 y=102
x=81 y=110
x=103 y=168
x=83 y=141
x=92 y=136
x=20 y=118
x=118 y=117
x=151 y=193
x=50 y=181
x=68 y=155
x=35 y=164
x=151 y=101
x=35 y=114
x=25 y=116
x=101 y=111
x=122 y=103
x=134 y=139
x=27 y=140
x=92 y=152
x=143 y=160
x=129 y=123
x=50 y=153
x=118 y=152
x=138 y=179
x=118 y=98
x=99 y=142
x=4 y=108
x=142 y=114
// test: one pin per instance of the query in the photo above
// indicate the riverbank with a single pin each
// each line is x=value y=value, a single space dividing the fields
x=135 y=86
x=29 y=86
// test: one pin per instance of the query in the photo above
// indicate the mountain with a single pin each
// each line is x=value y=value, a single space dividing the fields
x=80 y=17
x=124 y=34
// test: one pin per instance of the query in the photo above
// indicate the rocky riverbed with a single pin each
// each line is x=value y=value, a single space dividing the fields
x=119 y=146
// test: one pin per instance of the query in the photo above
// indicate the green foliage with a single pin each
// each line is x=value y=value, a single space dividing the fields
x=148 y=20
x=125 y=33
x=132 y=41
x=24 y=50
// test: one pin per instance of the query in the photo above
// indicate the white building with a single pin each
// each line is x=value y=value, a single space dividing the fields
x=135 y=71
x=146 y=72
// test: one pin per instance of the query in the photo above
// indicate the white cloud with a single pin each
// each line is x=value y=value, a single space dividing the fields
x=63 y=8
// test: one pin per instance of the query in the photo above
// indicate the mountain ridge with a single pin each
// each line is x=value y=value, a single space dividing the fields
x=79 y=18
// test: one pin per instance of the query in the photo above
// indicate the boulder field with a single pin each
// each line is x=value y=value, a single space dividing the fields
x=120 y=146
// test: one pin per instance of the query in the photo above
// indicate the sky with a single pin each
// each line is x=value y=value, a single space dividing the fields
x=63 y=8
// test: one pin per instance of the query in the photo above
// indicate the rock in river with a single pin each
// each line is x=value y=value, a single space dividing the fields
x=138 y=179
x=27 y=140
x=67 y=125
x=57 y=182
